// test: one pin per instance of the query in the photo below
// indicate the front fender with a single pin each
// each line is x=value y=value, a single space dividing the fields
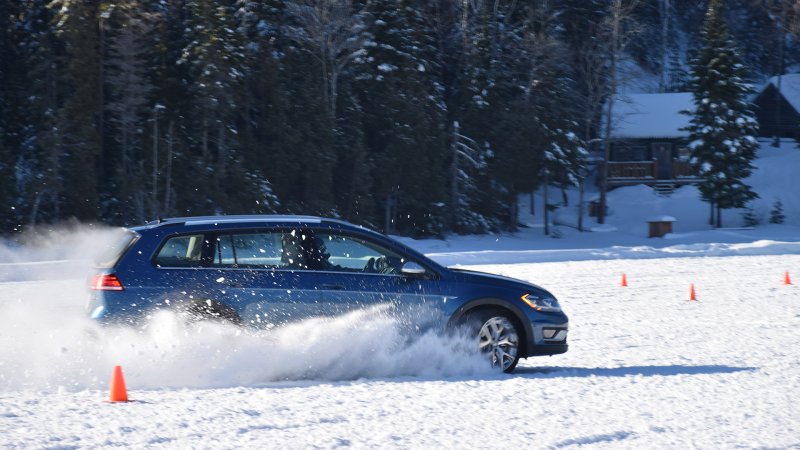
x=464 y=309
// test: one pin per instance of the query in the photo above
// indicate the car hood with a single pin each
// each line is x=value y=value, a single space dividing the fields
x=495 y=280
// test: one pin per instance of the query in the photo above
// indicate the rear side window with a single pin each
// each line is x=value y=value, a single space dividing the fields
x=278 y=249
x=181 y=251
x=109 y=257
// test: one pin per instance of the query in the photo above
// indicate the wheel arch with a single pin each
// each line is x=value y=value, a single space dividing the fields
x=516 y=314
x=213 y=309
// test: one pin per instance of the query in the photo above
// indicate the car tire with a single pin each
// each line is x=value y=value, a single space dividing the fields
x=209 y=310
x=498 y=336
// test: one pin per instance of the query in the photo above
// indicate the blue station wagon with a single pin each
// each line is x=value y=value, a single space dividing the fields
x=264 y=271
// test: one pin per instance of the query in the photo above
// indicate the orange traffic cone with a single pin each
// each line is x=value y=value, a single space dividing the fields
x=786 y=279
x=624 y=282
x=118 y=393
x=692 y=294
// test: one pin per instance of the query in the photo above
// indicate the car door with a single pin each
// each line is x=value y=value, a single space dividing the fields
x=356 y=272
x=181 y=277
x=265 y=275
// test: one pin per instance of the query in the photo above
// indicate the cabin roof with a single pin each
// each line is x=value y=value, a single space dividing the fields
x=789 y=88
x=651 y=115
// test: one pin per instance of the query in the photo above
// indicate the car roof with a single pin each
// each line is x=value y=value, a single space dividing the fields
x=254 y=218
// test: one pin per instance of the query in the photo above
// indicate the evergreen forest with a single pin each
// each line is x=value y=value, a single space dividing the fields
x=416 y=117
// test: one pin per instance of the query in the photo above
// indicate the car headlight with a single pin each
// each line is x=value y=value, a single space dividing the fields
x=541 y=303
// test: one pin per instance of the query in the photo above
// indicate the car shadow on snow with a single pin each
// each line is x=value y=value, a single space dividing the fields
x=627 y=371
x=530 y=372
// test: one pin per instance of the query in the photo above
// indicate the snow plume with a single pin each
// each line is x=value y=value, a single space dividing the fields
x=47 y=342
x=44 y=348
x=58 y=252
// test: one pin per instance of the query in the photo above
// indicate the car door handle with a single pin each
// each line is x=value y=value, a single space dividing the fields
x=332 y=287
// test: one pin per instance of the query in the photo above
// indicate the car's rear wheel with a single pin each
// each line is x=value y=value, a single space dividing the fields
x=498 y=339
x=208 y=310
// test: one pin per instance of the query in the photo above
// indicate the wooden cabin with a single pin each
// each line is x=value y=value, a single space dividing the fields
x=648 y=142
x=777 y=107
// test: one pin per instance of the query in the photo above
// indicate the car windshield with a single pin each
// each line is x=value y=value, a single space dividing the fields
x=109 y=257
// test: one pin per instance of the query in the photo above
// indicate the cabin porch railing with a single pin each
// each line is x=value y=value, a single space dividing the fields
x=625 y=173
x=632 y=169
x=682 y=169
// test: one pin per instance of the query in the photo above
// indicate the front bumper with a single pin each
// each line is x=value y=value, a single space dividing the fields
x=548 y=339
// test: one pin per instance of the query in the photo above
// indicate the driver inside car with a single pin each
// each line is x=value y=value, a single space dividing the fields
x=321 y=257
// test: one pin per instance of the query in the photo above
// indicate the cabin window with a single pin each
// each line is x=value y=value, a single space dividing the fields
x=630 y=153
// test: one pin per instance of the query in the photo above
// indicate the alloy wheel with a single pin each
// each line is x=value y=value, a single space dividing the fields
x=499 y=341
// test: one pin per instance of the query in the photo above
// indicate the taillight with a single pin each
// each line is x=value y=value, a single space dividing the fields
x=106 y=283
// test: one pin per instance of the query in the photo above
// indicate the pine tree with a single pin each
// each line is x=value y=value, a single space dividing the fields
x=333 y=31
x=581 y=23
x=749 y=217
x=403 y=116
x=471 y=185
x=213 y=58
x=776 y=215
x=559 y=152
x=37 y=160
x=286 y=130
x=8 y=213
x=8 y=110
x=515 y=99
x=488 y=105
x=129 y=105
x=77 y=144
x=722 y=128
x=172 y=92
x=262 y=122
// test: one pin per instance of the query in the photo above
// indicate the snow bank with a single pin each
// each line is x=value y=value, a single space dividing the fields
x=761 y=247
x=632 y=207
x=777 y=177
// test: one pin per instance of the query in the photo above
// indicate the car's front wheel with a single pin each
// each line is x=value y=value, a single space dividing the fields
x=498 y=339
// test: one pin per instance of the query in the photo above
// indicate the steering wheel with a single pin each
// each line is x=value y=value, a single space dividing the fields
x=379 y=265
x=382 y=265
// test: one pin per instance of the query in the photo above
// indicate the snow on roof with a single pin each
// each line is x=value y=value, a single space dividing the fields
x=651 y=115
x=790 y=88
x=661 y=219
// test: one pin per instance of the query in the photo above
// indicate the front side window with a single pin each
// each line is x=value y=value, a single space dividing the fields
x=281 y=250
x=342 y=253
x=181 y=251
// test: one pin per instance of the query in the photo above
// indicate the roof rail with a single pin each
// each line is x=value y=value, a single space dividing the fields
x=237 y=218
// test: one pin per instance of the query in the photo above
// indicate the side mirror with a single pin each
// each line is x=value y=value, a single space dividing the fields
x=412 y=269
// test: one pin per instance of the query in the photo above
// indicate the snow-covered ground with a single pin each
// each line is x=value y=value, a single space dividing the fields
x=647 y=368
